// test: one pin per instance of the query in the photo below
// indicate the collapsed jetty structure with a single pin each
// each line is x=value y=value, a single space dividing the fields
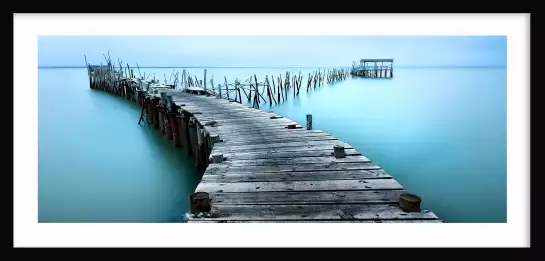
x=373 y=68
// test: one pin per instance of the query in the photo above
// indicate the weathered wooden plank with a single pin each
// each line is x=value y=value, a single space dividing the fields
x=243 y=124
x=275 y=136
x=331 y=143
x=227 y=150
x=294 y=176
x=258 y=127
x=240 y=133
x=228 y=117
x=216 y=169
x=218 y=111
x=319 y=221
x=313 y=185
x=212 y=106
x=308 y=197
x=295 y=161
x=273 y=140
x=282 y=154
x=243 y=118
x=310 y=212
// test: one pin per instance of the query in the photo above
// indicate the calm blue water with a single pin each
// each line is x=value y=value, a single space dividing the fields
x=441 y=132
x=96 y=164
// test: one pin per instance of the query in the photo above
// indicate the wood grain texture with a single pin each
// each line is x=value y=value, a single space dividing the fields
x=318 y=212
x=270 y=173
x=312 y=185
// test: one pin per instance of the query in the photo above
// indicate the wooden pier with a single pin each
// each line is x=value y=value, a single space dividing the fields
x=269 y=168
x=258 y=166
x=373 y=68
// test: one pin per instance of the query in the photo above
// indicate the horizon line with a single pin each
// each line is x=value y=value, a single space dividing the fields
x=279 y=67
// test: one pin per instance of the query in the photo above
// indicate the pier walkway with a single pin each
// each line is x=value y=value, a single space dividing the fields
x=261 y=170
x=258 y=166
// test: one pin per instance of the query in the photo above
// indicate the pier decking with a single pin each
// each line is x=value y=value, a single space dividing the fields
x=258 y=166
x=271 y=173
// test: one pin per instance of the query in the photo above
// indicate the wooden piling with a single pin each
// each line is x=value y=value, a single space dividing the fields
x=204 y=86
x=155 y=113
x=309 y=121
x=409 y=202
x=169 y=122
x=176 y=128
x=217 y=158
x=199 y=202
x=161 y=118
x=184 y=133
x=193 y=138
x=338 y=151
x=201 y=149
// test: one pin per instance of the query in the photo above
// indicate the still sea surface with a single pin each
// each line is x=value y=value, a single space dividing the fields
x=441 y=132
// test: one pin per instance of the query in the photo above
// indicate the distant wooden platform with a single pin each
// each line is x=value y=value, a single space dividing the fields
x=274 y=174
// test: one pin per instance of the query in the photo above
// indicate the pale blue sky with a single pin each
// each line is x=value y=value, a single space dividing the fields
x=252 y=51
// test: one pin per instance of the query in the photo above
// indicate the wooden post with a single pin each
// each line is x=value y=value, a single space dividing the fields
x=219 y=91
x=214 y=138
x=391 y=69
x=184 y=80
x=169 y=103
x=409 y=202
x=237 y=83
x=169 y=120
x=226 y=88
x=155 y=113
x=309 y=121
x=161 y=122
x=204 y=86
x=176 y=126
x=184 y=133
x=338 y=151
x=205 y=148
x=217 y=158
x=200 y=202
x=192 y=137
x=200 y=143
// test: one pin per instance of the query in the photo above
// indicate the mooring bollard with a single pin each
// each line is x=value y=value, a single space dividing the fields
x=409 y=202
x=217 y=157
x=338 y=151
x=200 y=202
x=309 y=121
x=215 y=138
